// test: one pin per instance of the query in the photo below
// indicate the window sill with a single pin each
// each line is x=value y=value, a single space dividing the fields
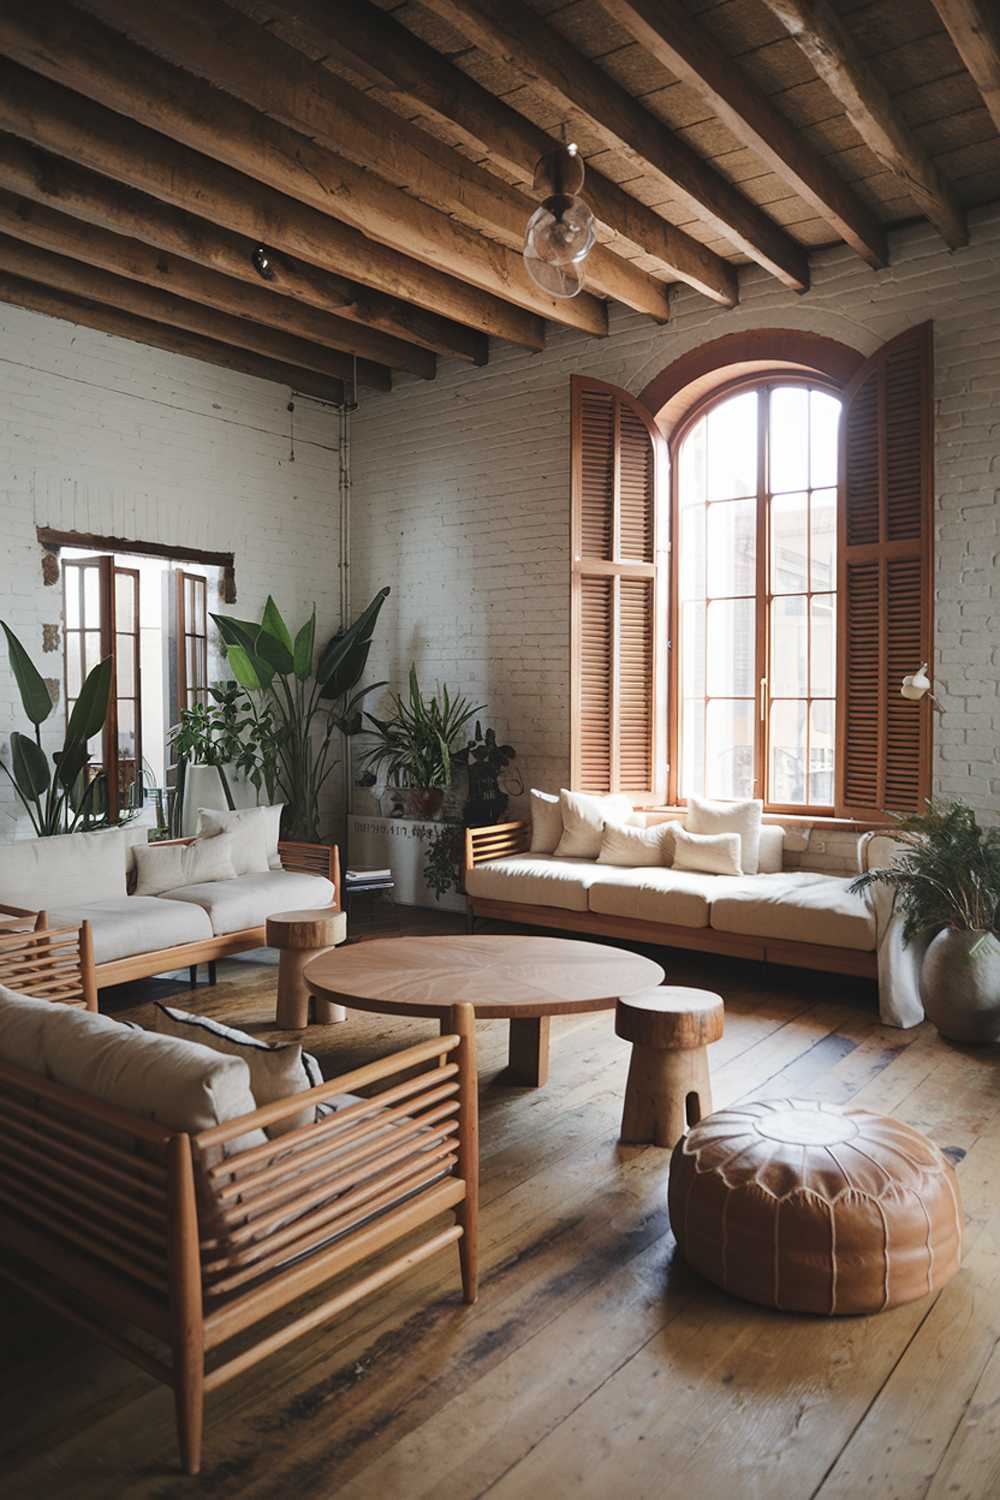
x=796 y=820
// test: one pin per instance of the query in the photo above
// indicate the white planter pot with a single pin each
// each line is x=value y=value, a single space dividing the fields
x=961 y=987
x=399 y=844
x=203 y=788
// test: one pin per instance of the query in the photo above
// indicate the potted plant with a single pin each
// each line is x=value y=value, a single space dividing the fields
x=487 y=762
x=67 y=796
x=946 y=881
x=223 y=735
x=416 y=746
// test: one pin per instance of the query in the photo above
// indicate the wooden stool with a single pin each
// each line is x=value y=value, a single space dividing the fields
x=668 y=1085
x=300 y=936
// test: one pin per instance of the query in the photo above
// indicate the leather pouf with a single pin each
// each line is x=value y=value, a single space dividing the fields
x=815 y=1208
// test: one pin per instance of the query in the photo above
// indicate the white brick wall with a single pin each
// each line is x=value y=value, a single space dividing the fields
x=461 y=493
x=102 y=435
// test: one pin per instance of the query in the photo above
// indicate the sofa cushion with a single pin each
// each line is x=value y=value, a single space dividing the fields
x=800 y=906
x=161 y=867
x=546 y=822
x=634 y=847
x=675 y=897
x=771 y=850
x=254 y=834
x=743 y=818
x=535 y=880
x=711 y=853
x=584 y=818
x=248 y=901
x=40 y=874
x=135 y=924
x=21 y=1031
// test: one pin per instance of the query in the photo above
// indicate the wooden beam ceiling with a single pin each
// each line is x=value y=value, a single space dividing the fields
x=514 y=33
x=840 y=62
x=377 y=46
x=217 y=44
x=691 y=54
x=974 y=27
x=64 y=45
x=37 y=298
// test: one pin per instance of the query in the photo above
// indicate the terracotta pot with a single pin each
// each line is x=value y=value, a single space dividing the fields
x=961 y=987
x=424 y=801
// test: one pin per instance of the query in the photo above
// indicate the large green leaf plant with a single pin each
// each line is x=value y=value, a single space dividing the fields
x=300 y=703
x=61 y=797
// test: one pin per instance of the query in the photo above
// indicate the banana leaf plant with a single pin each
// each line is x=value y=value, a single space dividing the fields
x=310 y=701
x=61 y=798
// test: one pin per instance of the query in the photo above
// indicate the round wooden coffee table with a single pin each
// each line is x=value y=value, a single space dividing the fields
x=526 y=980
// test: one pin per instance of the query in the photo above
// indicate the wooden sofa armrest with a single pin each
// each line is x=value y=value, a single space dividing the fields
x=313 y=859
x=50 y=963
x=496 y=841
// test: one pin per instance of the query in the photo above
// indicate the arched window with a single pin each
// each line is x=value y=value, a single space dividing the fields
x=755 y=518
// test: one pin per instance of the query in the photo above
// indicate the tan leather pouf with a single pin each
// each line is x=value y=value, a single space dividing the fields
x=815 y=1208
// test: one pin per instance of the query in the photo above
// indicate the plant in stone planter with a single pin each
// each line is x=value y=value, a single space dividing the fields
x=946 y=880
x=229 y=731
x=416 y=746
x=66 y=796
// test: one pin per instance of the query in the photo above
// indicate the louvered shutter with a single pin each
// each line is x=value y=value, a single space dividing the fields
x=886 y=507
x=618 y=708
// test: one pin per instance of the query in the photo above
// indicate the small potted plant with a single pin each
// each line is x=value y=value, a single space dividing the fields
x=417 y=745
x=946 y=881
x=488 y=764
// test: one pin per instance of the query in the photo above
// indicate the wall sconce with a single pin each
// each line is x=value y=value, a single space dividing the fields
x=917 y=686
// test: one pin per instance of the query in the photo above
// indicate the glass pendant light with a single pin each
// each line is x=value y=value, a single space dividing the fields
x=560 y=233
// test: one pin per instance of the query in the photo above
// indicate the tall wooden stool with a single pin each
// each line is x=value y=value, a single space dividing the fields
x=300 y=936
x=668 y=1085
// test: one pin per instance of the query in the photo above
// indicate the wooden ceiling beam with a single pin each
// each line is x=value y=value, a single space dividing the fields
x=379 y=47
x=688 y=52
x=512 y=32
x=974 y=27
x=381 y=328
x=66 y=274
x=37 y=298
x=840 y=62
x=35 y=224
x=221 y=46
x=464 y=275
x=74 y=127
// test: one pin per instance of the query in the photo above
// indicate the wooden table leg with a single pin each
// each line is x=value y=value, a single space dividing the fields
x=528 y=1054
x=293 y=996
x=328 y=1011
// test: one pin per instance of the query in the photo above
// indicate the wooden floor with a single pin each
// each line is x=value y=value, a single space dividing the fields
x=594 y=1364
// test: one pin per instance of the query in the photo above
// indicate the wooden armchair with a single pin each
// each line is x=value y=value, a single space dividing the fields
x=121 y=1224
x=48 y=963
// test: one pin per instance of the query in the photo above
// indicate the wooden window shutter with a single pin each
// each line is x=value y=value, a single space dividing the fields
x=885 y=578
x=618 y=603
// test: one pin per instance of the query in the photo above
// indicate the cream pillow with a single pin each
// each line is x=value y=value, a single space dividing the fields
x=635 y=847
x=276 y=1072
x=546 y=822
x=771 y=854
x=584 y=817
x=252 y=830
x=165 y=867
x=711 y=853
x=730 y=817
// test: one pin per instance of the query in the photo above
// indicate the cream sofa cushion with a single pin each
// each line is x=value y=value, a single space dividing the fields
x=729 y=817
x=636 y=847
x=22 y=1026
x=253 y=830
x=771 y=850
x=674 y=897
x=584 y=818
x=546 y=822
x=248 y=901
x=160 y=867
x=136 y=924
x=799 y=906
x=534 y=880
x=712 y=853
x=39 y=874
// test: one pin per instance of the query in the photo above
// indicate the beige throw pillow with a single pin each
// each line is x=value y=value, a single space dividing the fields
x=584 y=817
x=165 y=867
x=637 y=847
x=710 y=853
x=252 y=828
x=771 y=852
x=546 y=822
x=730 y=817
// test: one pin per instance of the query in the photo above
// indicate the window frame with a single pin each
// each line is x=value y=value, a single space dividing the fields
x=752 y=380
x=187 y=631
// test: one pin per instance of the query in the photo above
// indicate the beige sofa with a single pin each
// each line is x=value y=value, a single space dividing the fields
x=84 y=877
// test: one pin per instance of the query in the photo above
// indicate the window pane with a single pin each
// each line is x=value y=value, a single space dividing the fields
x=73 y=674
x=789 y=544
x=126 y=726
x=692 y=777
x=788 y=752
x=824 y=420
x=729 y=731
x=731 y=649
x=691 y=478
x=71 y=584
x=92 y=650
x=732 y=548
x=201 y=597
x=693 y=650
x=732 y=448
x=823 y=652
x=821 y=751
x=124 y=602
x=91 y=596
x=823 y=508
x=691 y=573
x=125 y=665
x=788 y=677
x=789 y=438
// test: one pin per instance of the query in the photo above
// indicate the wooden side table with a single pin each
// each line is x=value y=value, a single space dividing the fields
x=668 y=1085
x=300 y=936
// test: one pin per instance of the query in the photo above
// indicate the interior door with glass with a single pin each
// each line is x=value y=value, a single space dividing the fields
x=101 y=601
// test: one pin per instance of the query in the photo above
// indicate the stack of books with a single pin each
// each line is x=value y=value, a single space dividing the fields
x=359 y=880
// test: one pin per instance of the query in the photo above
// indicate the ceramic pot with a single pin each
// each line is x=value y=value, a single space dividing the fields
x=424 y=802
x=961 y=987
